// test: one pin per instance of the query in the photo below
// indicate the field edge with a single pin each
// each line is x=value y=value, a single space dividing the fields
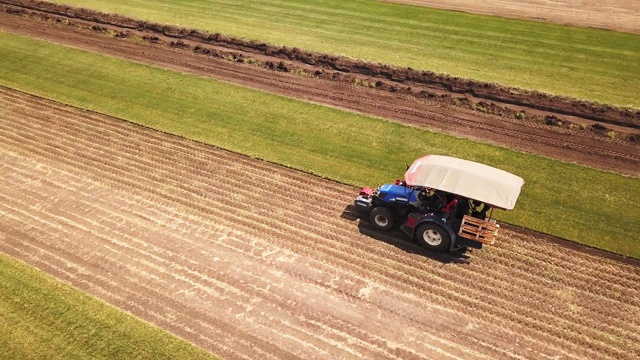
x=54 y=308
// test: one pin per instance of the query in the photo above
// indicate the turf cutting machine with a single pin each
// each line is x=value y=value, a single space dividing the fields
x=443 y=202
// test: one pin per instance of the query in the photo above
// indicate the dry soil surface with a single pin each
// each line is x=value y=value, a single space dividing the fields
x=252 y=260
x=618 y=15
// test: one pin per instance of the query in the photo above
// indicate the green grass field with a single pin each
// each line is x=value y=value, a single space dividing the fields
x=574 y=202
x=590 y=64
x=44 y=318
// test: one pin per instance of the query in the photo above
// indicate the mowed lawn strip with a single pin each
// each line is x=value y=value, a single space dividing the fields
x=44 y=318
x=574 y=202
x=591 y=64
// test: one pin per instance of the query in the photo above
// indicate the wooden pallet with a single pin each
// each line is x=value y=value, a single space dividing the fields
x=478 y=230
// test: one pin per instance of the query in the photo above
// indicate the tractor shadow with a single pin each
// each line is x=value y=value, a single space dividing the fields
x=401 y=241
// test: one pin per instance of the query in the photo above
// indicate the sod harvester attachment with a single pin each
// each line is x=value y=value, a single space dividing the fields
x=443 y=202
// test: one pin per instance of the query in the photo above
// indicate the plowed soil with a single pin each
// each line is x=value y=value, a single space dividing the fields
x=404 y=95
x=249 y=260
x=619 y=15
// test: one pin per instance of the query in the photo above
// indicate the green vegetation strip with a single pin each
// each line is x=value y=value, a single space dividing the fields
x=585 y=205
x=44 y=318
x=591 y=64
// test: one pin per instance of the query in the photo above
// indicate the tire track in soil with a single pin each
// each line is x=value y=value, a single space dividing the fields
x=137 y=257
x=206 y=175
x=160 y=176
x=398 y=283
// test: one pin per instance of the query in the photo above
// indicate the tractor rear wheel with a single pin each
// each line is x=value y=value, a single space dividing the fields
x=433 y=236
x=382 y=218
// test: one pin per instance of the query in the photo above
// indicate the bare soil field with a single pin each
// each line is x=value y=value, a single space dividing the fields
x=618 y=15
x=398 y=94
x=252 y=260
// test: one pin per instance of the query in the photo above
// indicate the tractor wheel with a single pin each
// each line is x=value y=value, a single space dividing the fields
x=433 y=236
x=382 y=218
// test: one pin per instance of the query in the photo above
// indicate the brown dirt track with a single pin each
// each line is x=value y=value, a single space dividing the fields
x=249 y=260
x=619 y=15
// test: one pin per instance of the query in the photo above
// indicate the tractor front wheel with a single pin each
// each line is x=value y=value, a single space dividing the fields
x=382 y=218
x=433 y=236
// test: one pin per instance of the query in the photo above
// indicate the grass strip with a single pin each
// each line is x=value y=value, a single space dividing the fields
x=585 y=205
x=44 y=318
x=591 y=64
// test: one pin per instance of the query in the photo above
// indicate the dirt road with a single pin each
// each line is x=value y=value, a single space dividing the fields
x=251 y=260
x=618 y=15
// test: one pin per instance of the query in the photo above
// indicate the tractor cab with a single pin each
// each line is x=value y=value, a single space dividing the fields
x=445 y=203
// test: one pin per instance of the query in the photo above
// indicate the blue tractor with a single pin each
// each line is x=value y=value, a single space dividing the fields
x=442 y=202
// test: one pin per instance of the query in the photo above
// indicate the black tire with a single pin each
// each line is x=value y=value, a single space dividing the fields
x=382 y=219
x=433 y=236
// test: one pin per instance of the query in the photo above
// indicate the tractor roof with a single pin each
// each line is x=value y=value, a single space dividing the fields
x=466 y=178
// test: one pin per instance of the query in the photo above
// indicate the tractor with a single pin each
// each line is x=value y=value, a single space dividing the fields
x=443 y=202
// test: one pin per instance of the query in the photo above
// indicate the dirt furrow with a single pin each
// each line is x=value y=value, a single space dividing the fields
x=137 y=258
x=199 y=328
x=410 y=109
x=250 y=225
x=576 y=264
x=150 y=218
x=489 y=279
x=291 y=60
x=213 y=158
